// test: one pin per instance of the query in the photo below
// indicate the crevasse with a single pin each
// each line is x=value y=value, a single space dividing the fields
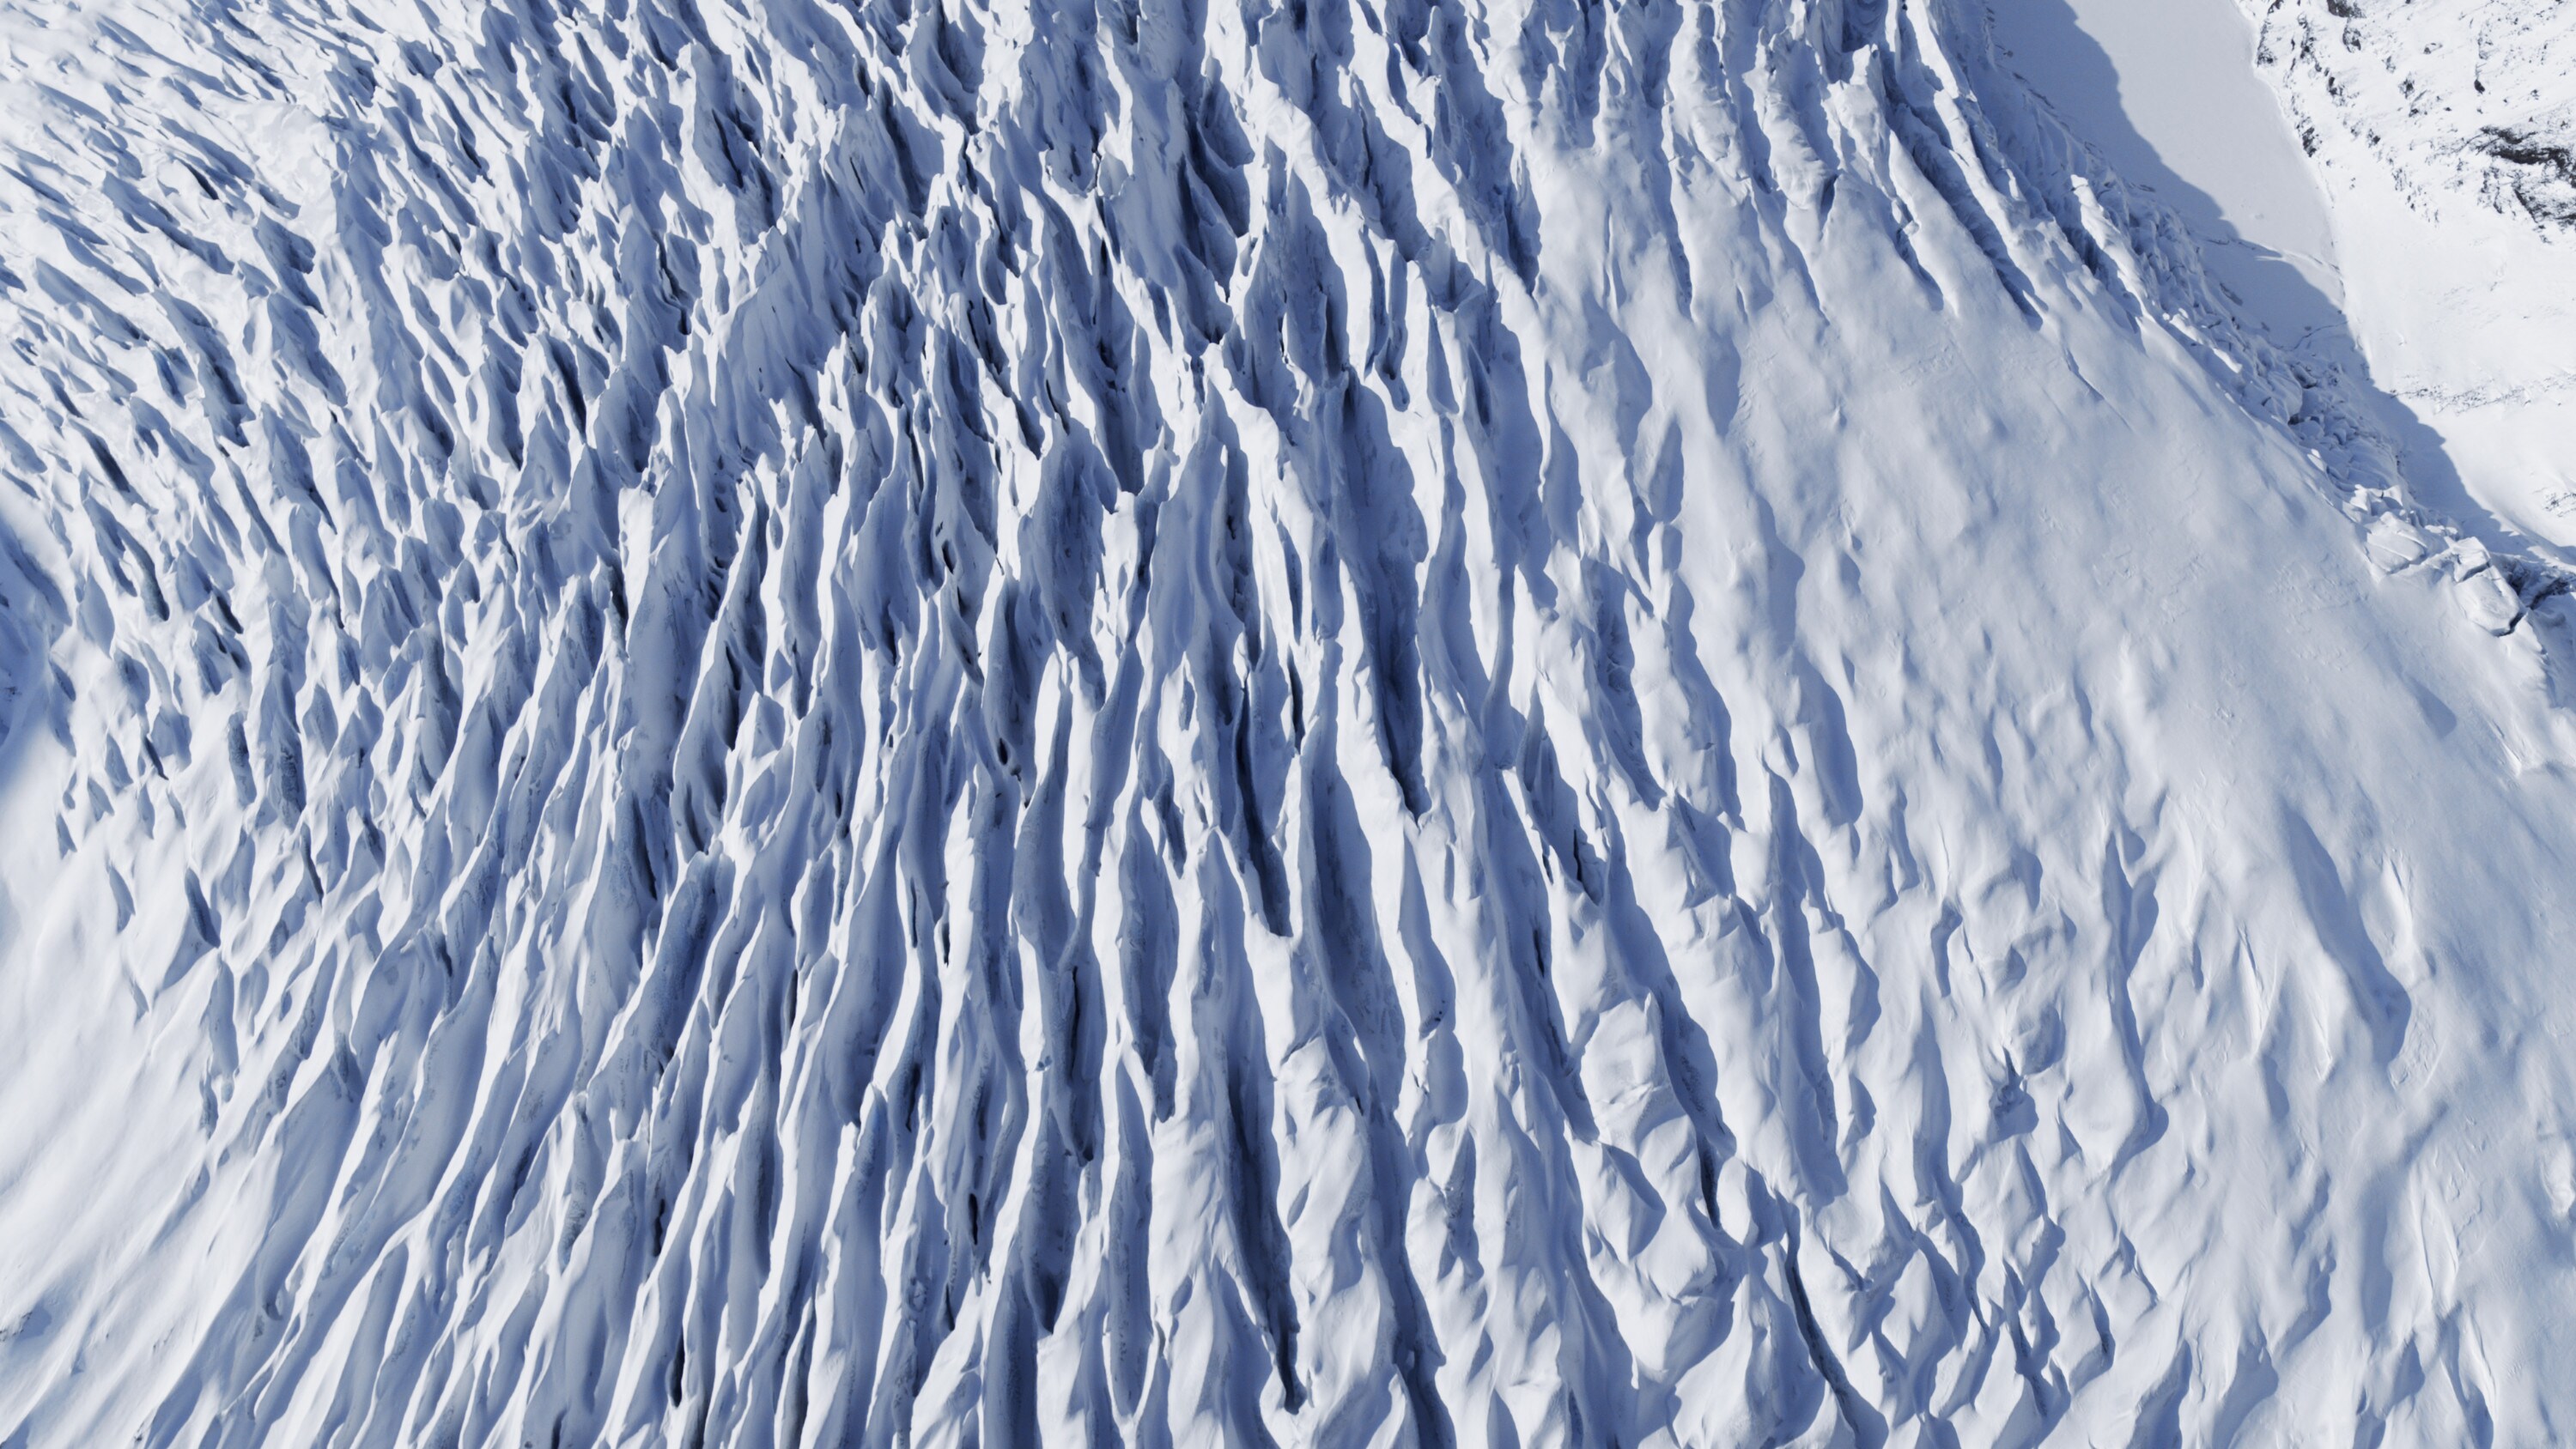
x=1342 y=723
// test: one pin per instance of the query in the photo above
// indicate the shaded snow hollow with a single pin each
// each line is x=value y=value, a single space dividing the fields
x=779 y=723
x=2167 y=92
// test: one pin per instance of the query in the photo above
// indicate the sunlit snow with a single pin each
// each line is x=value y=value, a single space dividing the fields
x=1354 y=722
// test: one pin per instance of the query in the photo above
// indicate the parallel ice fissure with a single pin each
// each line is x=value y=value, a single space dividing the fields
x=1347 y=723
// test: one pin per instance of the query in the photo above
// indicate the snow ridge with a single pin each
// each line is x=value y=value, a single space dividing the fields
x=1190 y=722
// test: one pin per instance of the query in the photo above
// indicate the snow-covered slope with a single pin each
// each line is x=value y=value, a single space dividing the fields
x=2168 y=93
x=2454 y=97
x=2445 y=132
x=1340 y=723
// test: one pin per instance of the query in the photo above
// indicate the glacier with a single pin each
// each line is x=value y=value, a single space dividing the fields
x=1342 y=722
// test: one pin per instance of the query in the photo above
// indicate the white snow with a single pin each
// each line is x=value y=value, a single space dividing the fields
x=1346 y=723
x=2461 y=263
x=2168 y=92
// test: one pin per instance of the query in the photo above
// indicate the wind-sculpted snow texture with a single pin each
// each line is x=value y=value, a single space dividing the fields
x=786 y=723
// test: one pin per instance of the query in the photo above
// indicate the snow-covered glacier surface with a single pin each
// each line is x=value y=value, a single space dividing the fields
x=2445 y=132
x=765 y=722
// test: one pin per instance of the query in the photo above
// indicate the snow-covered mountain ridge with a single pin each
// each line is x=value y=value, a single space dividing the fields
x=783 y=723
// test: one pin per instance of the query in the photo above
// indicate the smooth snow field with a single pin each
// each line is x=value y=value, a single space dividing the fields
x=2167 y=90
x=2463 y=323
x=2445 y=135
x=1493 y=723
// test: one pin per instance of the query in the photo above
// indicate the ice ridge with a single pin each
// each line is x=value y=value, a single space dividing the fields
x=1186 y=722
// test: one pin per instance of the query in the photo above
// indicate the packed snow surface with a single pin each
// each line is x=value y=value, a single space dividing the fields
x=1187 y=722
x=2167 y=92
x=2445 y=134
